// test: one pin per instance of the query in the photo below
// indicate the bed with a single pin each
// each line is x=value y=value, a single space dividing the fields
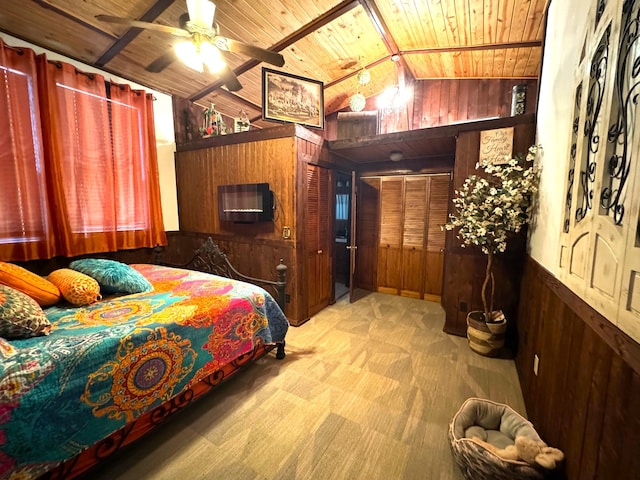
x=108 y=372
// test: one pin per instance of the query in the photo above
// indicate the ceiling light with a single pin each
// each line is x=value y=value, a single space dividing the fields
x=211 y=57
x=395 y=57
x=395 y=156
x=196 y=55
x=201 y=12
x=189 y=53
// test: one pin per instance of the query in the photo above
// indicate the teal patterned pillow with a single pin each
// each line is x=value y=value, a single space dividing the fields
x=112 y=276
x=20 y=315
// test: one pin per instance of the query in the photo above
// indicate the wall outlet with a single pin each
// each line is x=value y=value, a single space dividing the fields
x=536 y=362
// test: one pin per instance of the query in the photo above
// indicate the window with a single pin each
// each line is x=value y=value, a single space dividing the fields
x=78 y=166
x=342 y=206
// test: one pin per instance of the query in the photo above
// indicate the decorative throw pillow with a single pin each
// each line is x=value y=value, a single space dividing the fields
x=6 y=349
x=76 y=287
x=20 y=315
x=112 y=276
x=38 y=288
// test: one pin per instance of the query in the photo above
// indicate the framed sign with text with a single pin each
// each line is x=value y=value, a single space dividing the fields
x=496 y=146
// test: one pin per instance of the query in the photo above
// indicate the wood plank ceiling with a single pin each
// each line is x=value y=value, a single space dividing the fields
x=326 y=40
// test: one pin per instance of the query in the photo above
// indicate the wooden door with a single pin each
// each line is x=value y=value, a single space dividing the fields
x=413 y=236
x=368 y=221
x=407 y=255
x=391 y=233
x=438 y=201
x=353 y=237
x=318 y=237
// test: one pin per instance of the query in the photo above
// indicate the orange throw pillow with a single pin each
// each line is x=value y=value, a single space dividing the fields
x=41 y=290
x=76 y=287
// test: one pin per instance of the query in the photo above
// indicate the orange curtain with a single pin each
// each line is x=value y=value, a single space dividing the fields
x=78 y=162
x=25 y=225
x=137 y=187
x=77 y=140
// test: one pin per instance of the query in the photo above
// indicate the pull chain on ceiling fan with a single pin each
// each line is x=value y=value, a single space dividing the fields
x=204 y=44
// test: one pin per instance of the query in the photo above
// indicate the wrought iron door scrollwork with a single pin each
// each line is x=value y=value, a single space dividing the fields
x=572 y=158
x=602 y=4
x=623 y=111
x=598 y=76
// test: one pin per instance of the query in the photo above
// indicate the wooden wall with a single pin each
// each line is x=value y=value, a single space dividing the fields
x=442 y=102
x=585 y=397
x=464 y=268
x=276 y=156
x=200 y=172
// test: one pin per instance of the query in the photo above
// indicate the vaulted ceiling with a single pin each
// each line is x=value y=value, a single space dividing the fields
x=325 y=40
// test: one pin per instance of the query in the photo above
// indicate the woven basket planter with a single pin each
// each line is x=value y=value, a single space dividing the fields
x=477 y=462
x=485 y=338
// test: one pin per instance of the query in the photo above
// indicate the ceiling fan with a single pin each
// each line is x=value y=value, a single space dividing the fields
x=203 y=44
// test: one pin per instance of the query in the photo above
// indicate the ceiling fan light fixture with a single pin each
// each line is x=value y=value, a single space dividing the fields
x=211 y=57
x=188 y=52
x=201 y=12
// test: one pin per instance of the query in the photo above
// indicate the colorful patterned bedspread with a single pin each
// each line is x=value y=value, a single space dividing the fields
x=104 y=365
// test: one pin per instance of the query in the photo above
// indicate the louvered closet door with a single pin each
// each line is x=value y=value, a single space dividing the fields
x=438 y=201
x=391 y=234
x=317 y=238
x=413 y=251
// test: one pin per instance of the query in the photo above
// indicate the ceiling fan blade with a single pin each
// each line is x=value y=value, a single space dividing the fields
x=162 y=62
x=230 y=80
x=258 y=53
x=201 y=12
x=149 y=26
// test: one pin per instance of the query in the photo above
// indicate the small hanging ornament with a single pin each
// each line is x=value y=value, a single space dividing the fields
x=357 y=102
x=364 y=76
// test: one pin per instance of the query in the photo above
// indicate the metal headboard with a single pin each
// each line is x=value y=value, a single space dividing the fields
x=210 y=259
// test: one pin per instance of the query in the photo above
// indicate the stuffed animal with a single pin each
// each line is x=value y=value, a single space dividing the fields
x=533 y=452
x=537 y=452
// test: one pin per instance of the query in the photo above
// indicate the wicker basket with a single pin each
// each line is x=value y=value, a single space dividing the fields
x=477 y=462
x=485 y=338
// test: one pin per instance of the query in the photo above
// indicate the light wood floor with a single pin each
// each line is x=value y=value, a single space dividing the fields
x=366 y=392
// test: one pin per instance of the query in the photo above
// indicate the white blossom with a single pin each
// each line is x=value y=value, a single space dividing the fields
x=489 y=208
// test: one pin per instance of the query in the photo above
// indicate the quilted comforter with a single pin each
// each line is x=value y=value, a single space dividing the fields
x=104 y=365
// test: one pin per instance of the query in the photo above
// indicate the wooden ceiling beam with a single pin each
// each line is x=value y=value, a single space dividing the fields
x=356 y=72
x=472 y=48
x=385 y=34
x=373 y=12
x=149 y=16
x=465 y=48
x=327 y=17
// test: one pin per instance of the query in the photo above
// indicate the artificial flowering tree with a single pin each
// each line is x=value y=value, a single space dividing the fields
x=489 y=209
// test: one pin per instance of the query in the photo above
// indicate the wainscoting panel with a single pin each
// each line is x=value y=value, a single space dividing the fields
x=585 y=397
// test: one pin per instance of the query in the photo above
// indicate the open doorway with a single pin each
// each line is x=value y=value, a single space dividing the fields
x=341 y=233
